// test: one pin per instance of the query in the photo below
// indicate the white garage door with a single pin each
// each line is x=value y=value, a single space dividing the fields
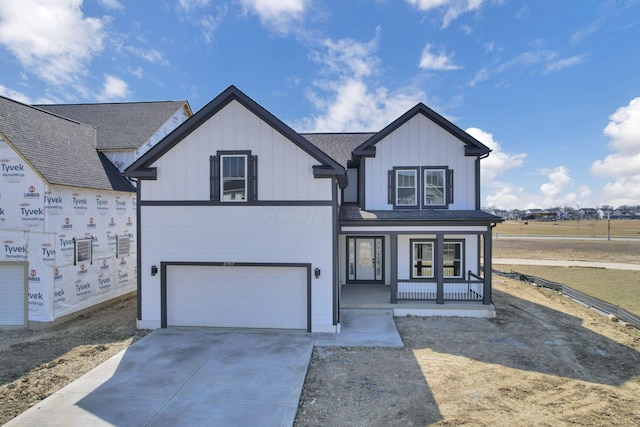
x=13 y=295
x=243 y=297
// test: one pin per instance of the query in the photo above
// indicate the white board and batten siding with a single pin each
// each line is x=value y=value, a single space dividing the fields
x=419 y=142
x=13 y=294
x=284 y=169
x=239 y=234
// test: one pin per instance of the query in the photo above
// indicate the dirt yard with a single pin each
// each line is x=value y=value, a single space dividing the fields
x=35 y=364
x=545 y=360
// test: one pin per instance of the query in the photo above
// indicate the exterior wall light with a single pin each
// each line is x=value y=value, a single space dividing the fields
x=317 y=272
x=154 y=270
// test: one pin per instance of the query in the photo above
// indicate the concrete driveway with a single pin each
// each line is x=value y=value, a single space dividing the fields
x=187 y=377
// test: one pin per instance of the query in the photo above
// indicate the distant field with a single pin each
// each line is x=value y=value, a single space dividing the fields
x=590 y=228
x=618 y=287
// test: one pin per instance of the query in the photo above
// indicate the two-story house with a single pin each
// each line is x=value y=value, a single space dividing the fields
x=244 y=222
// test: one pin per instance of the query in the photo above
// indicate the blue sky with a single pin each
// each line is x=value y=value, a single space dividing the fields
x=552 y=87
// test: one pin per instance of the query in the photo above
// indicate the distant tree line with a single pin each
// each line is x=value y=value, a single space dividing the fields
x=568 y=213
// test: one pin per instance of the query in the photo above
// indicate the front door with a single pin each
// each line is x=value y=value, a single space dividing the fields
x=365 y=259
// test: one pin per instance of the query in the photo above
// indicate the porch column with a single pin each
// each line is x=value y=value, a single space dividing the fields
x=393 y=267
x=486 y=237
x=437 y=265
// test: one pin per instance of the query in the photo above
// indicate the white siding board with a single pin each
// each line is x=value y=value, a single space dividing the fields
x=276 y=234
x=285 y=171
x=419 y=142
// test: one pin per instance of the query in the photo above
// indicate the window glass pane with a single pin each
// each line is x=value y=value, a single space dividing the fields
x=406 y=187
x=434 y=187
x=423 y=259
x=83 y=250
x=123 y=246
x=352 y=258
x=452 y=259
x=234 y=181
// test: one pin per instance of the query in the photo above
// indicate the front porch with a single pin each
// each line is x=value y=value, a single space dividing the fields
x=379 y=296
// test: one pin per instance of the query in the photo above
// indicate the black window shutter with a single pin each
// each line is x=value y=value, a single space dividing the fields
x=215 y=178
x=253 y=178
x=391 y=190
x=449 y=186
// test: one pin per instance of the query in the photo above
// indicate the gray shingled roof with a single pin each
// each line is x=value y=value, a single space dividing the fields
x=63 y=151
x=121 y=126
x=353 y=213
x=338 y=145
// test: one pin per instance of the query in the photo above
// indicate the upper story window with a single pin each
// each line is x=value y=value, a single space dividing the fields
x=425 y=187
x=234 y=177
x=406 y=187
x=434 y=187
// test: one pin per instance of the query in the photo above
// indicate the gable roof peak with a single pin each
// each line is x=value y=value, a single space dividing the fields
x=473 y=147
x=140 y=168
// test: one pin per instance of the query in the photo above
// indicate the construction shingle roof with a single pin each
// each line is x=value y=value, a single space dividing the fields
x=63 y=151
x=338 y=145
x=353 y=213
x=120 y=126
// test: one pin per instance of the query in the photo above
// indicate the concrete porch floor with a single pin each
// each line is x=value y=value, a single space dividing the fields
x=378 y=296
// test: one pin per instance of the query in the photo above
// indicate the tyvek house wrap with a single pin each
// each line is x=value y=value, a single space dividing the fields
x=38 y=224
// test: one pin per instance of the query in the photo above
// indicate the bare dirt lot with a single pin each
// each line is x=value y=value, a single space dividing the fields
x=545 y=360
x=35 y=364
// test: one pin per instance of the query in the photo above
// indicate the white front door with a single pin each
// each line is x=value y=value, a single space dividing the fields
x=365 y=259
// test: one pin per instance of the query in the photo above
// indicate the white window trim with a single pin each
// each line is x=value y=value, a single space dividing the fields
x=76 y=250
x=413 y=259
x=128 y=251
x=416 y=179
x=246 y=178
x=461 y=260
x=444 y=186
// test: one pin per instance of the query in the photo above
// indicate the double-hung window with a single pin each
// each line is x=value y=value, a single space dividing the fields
x=452 y=259
x=234 y=177
x=423 y=259
x=422 y=256
x=425 y=187
x=123 y=245
x=83 y=250
x=434 y=187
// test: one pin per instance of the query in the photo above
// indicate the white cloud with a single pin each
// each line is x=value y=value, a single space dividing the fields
x=51 y=38
x=347 y=92
x=113 y=89
x=439 y=61
x=559 y=179
x=189 y=5
x=111 y=4
x=498 y=161
x=277 y=15
x=623 y=164
x=15 y=95
x=207 y=22
x=152 y=55
x=566 y=62
x=453 y=8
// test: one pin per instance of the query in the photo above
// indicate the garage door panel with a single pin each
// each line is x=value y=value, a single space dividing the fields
x=13 y=295
x=246 y=297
